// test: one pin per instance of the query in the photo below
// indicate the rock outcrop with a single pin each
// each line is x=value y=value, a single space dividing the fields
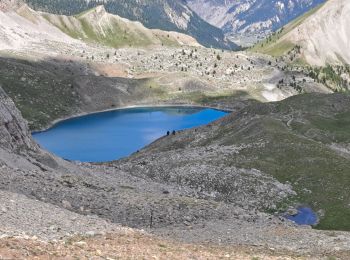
x=14 y=133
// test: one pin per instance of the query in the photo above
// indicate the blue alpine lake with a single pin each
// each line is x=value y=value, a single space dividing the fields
x=305 y=216
x=112 y=135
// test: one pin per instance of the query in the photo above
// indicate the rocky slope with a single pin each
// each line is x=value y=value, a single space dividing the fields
x=224 y=185
x=321 y=43
x=303 y=141
x=166 y=15
x=14 y=132
x=315 y=33
x=98 y=26
x=190 y=204
x=246 y=18
x=25 y=27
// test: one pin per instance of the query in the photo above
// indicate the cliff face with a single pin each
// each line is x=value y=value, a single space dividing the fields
x=14 y=133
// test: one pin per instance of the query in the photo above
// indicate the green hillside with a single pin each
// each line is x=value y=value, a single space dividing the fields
x=109 y=30
x=303 y=141
x=153 y=14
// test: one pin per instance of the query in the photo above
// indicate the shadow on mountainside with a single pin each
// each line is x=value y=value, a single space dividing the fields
x=47 y=90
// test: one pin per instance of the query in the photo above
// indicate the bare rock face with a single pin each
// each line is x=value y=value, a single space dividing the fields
x=14 y=133
x=324 y=35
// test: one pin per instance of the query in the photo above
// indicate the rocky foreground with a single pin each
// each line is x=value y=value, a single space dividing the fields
x=135 y=245
x=176 y=189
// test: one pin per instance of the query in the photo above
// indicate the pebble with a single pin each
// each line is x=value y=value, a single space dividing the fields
x=80 y=243
x=66 y=204
x=90 y=233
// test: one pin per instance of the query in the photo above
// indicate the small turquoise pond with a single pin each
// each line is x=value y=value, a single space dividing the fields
x=115 y=134
x=305 y=216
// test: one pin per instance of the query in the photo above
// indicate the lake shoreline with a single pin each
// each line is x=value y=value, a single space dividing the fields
x=82 y=114
x=109 y=136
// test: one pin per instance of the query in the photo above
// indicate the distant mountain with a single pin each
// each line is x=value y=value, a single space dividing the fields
x=98 y=26
x=322 y=34
x=24 y=26
x=169 y=15
x=250 y=17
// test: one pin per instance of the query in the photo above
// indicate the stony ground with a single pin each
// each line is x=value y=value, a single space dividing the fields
x=44 y=198
x=215 y=190
x=20 y=215
x=278 y=139
x=136 y=245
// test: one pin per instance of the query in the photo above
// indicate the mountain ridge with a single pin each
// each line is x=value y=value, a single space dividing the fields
x=155 y=14
x=251 y=18
x=94 y=26
x=97 y=25
x=315 y=34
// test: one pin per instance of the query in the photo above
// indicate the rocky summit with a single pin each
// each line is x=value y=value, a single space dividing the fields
x=227 y=189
